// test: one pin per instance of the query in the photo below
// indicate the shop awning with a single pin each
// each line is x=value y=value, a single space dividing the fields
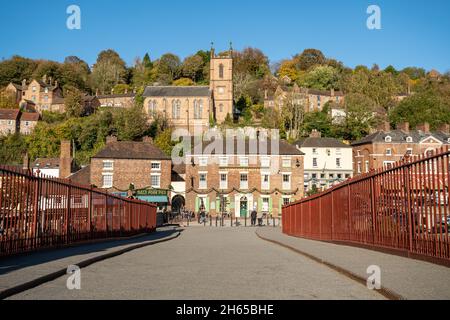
x=154 y=199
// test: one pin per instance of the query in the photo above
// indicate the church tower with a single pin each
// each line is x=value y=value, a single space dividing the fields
x=221 y=84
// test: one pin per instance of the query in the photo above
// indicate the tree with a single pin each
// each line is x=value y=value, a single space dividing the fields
x=183 y=82
x=131 y=124
x=322 y=78
x=108 y=71
x=142 y=73
x=74 y=102
x=16 y=69
x=164 y=141
x=193 y=68
x=320 y=121
x=251 y=61
x=288 y=68
x=293 y=112
x=414 y=73
x=147 y=62
x=168 y=68
x=12 y=149
x=309 y=58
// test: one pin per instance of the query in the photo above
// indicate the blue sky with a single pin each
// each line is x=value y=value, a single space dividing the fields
x=414 y=33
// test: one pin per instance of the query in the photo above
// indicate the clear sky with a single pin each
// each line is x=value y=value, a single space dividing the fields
x=414 y=32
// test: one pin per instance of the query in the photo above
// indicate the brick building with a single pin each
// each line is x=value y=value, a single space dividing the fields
x=140 y=168
x=9 y=121
x=125 y=100
x=191 y=108
x=28 y=121
x=386 y=146
x=245 y=178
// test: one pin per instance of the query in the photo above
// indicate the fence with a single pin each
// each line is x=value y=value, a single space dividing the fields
x=403 y=208
x=41 y=212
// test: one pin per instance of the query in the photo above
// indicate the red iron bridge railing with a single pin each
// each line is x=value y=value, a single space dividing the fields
x=402 y=209
x=39 y=212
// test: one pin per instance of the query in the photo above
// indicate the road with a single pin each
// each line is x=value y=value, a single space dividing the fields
x=207 y=263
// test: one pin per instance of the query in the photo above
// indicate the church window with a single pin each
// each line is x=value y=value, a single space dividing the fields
x=221 y=71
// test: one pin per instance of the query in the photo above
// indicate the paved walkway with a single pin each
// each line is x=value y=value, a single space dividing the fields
x=207 y=263
x=412 y=279
x=23 y=269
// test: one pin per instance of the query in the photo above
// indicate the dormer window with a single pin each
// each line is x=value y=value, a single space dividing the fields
x=409 y=139
x=388 y=139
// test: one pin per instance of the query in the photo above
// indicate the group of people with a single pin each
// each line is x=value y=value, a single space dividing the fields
x=256 y=216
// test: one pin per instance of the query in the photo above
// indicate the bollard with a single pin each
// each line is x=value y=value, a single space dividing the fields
x=216 y=221
x=245 y=220
x=267 y=220
x=210 y=222
x=231 y=220
x=237 y=222
x=188 y=219
x=273 y=221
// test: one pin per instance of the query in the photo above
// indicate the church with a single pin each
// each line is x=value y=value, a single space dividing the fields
x=192 y=108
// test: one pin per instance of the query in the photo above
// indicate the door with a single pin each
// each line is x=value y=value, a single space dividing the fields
x=243 y=207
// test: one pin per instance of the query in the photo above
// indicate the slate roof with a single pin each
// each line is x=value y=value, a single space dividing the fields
x=285 y=148
x=123 y=95
x=9 y=114
x=399 y=136
x=320 y=143
x=82 y=176
x=174 y=91
x=30 y=116
x=131 y=150
x=46 y=163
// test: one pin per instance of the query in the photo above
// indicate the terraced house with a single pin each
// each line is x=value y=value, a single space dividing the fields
x=386 y=146
x=249 y=176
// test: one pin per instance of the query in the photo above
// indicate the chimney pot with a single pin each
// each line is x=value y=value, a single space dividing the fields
x=404 y=126
x=111 y=139
x=425 y=127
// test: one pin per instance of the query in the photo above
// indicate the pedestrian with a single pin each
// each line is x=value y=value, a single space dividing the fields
x=253 y=217
x=260 y=219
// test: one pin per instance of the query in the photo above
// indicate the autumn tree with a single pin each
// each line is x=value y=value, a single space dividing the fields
x=309 y=58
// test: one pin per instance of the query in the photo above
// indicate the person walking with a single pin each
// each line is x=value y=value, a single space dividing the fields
x=260 y=219
x=253 y=217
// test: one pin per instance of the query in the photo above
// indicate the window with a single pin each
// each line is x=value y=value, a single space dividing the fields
x=9 y=122
x=286 y=201
x=358 y=152
x=223 y=181
x=388 y=164
x=152 y=105
x=409 y=151
x=33 y=98
x=46 y=98
x=243 y=161
x=388 y=139
x=265 y=181
x=176 y=109
x=339 y=175
x=223 y=161
x=265 y=162
x=108 y=165
x=314 y=151
x=286 y=163
x=265 y=204
x=338 y=151
x=46 y=90
x=338 y=162
x=389 y=152
x=27 y=123
x=367 y=166
x=314 y=175
x=107 y=181
x=203 y=161
x=202 y=181
x=33 y=88
x=221 y=71
x=409 y=139
x=322 y=176
x=198 y=109
x=314 y=162
x=156 y=166
x=331 y=176
x=347 y=175
x=359 y=167
x=328 y=152
x=244 y=181
x=286 y=181
x=155 y=180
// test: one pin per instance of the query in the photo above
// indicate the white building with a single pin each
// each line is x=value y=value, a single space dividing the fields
x=327 y=161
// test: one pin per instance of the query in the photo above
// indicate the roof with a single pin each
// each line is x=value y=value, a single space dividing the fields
x=131 y=150
x=46 y=163
x=30 y=116
x=123 y=95
x=179 y=168
x=325 y=93
x=320 y=143
x=175 y=91
x=399 y=136
x=252 y=148
x=9 y=114
x=82 y=176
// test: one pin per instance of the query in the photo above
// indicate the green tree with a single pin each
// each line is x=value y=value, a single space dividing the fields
x=322 y=78
x=309 y=58
x=183 y=82
x=7 y=100
x=74 y=102
x=164 y=141
x=16 y=69
x=108 y=71
x=131 y=124
x=193 y=68
x=12 y=149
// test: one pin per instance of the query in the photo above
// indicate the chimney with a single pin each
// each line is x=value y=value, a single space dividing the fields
x=315 y=134
x=111 y=139
x=404 y=126
x=425 y=127
x=147 y=139
x=332 y=92
x=265 y=94
x=26 y=161
x=445 y=128
x=65 y=160
x=24 y=83
x=96 y=92
x=384 y=126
